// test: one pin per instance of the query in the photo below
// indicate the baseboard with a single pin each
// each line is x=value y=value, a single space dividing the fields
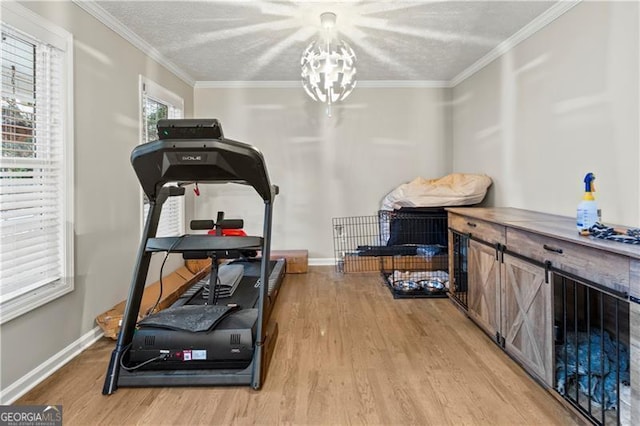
x=47 y=368
x=322 y=261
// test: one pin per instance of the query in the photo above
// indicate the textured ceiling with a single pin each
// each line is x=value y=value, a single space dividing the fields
x=263 y=40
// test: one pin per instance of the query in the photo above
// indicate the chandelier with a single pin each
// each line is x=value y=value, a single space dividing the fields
x=328 y=66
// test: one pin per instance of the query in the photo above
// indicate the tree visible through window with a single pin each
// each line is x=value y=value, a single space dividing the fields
x=18 y=98
x=154 y=112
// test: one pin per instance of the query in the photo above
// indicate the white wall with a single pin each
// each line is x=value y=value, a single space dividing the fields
x=107 y=193
x=560 y=104
x=326 y=166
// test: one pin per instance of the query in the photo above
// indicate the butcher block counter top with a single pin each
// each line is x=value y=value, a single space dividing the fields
x=550 y=225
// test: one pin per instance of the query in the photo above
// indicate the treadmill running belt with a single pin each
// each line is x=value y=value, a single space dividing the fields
x=229 y=277
x=194 y=318
x=246 y=293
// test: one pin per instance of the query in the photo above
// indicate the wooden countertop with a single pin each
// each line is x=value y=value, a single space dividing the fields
x=554 y=226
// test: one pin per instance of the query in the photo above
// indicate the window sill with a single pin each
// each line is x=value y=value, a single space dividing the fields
x=21 y=305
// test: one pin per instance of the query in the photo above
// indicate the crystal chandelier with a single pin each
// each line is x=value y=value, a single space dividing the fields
x=328 y=66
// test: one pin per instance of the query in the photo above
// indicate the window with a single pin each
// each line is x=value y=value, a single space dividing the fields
x=157 y=104
x=36 y=160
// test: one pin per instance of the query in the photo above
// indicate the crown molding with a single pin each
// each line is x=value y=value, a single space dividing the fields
x=284 y=84
x=111 y=22
x=411 y=84
x=289 y=84
x=547 y=17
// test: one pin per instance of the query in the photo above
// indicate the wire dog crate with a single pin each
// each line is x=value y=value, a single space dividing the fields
x=407 y=246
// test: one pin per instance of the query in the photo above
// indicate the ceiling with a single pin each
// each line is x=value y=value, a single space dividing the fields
x=263 y=40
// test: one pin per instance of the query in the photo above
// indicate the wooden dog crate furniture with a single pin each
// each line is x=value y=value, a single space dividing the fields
x=545 y=294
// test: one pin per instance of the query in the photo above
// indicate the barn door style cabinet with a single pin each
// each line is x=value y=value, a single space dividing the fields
x=565 y=307
x=507 y=297
x=527 y=327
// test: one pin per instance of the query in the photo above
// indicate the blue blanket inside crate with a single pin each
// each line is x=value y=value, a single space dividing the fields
x=592 y=364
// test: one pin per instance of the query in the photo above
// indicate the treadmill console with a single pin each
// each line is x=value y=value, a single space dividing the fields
x=203 y=128
x=195 y=150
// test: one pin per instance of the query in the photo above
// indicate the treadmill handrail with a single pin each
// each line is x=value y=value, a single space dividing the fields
x=200 y=242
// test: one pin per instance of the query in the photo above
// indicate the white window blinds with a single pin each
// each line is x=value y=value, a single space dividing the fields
x=34 y=249
x=158 y=104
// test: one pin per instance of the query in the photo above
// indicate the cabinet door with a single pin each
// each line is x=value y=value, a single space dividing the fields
x=484 y=287
x=526 y=317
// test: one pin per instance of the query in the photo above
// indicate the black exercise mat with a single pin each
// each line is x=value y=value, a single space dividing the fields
x=193 y=318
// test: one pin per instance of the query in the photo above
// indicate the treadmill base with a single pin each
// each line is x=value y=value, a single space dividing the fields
x=154 y=378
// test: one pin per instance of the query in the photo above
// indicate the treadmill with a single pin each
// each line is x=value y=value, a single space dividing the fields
x=196 y=151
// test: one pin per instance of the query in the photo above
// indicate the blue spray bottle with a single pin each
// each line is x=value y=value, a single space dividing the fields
x=587 y=209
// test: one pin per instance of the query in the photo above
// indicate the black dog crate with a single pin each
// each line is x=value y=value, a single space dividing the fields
x=592 y=350
x=407 y=246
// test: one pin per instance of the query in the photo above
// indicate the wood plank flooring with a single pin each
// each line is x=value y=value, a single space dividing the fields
x=348 y=353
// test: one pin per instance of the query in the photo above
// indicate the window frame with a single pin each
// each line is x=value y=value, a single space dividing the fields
x=155 y=91
x=37 y=27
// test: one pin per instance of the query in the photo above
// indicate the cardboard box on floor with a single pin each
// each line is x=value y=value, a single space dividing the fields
x=173 y=285
x=296 y=261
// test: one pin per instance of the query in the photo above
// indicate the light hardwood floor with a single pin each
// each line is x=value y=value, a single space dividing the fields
x=347 y=353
